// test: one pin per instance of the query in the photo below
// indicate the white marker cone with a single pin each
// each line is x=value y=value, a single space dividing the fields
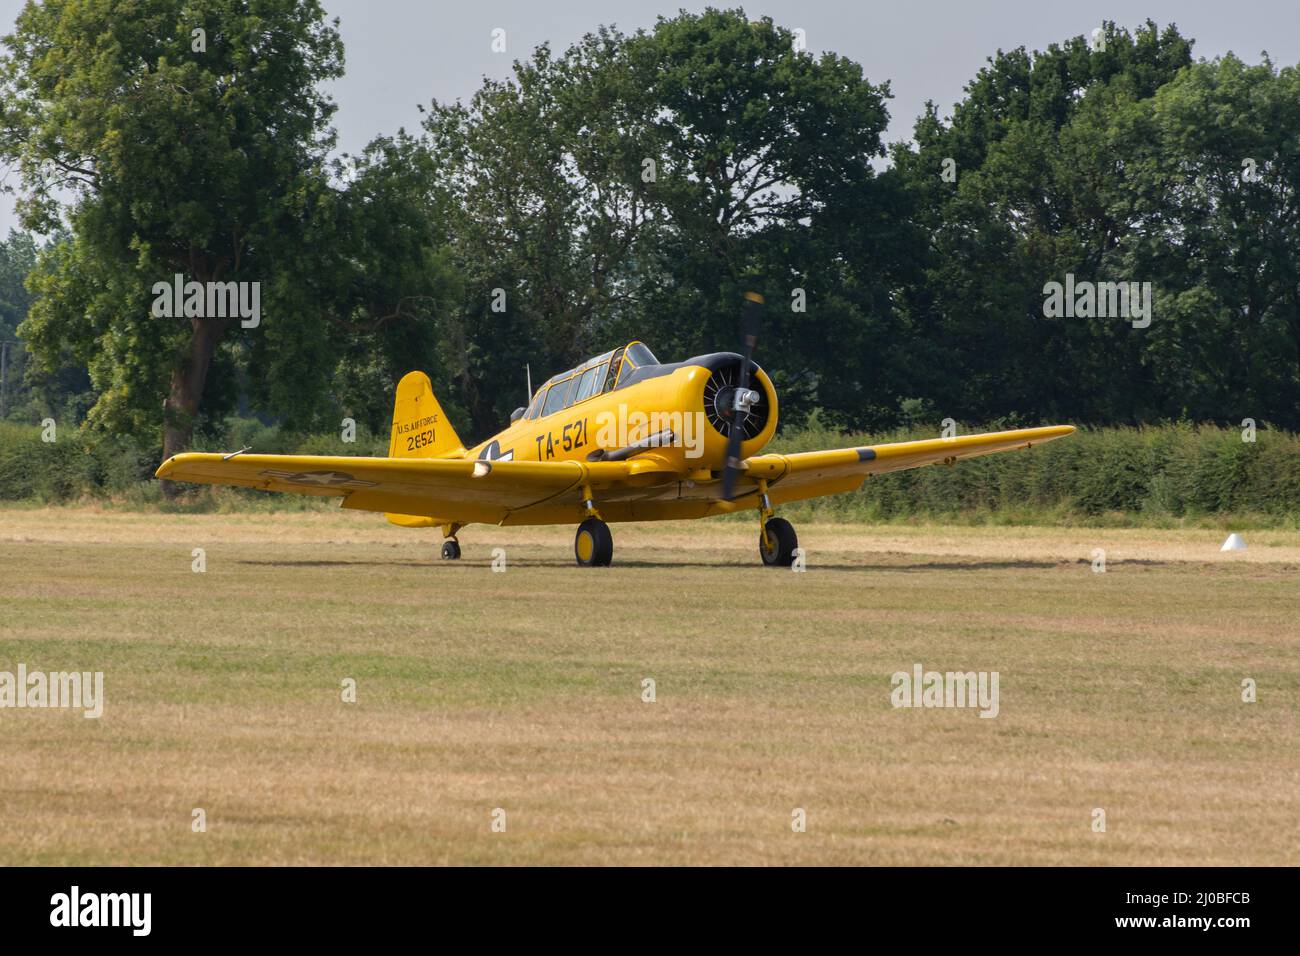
x=1234 y=543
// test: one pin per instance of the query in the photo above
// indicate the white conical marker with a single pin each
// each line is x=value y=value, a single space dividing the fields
x=1234 y=543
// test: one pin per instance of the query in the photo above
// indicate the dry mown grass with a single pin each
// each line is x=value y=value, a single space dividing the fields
x=522 y=690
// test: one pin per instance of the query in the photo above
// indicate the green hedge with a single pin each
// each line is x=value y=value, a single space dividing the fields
x=1155 y=475
x=81 y=465
x=67 y=468
x=1159 y=473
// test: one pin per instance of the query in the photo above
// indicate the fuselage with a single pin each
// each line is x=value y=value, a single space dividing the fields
x=678 y=415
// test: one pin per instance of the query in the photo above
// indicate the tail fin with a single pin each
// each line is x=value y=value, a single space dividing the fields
x=420 y=428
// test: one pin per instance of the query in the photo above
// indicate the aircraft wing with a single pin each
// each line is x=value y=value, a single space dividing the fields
x=412 y=486
x=416 y=490
x=814 y=473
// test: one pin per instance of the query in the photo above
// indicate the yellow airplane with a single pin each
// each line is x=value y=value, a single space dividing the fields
x=621 y=437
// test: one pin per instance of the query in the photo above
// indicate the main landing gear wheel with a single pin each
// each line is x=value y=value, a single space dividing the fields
x=593 y=545
x=450 y=549
x=778 y=549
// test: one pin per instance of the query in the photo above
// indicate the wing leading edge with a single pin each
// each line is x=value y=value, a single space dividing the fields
x=814 y=473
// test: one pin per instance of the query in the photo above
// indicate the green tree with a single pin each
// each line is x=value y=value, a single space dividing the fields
x=62 y=390
x=17 y=256
x=394 y=287
x=1208 y=195
x=1028 y=205
x=765 y=177
x=636 y=186
x=198 y=153
x=545 y=213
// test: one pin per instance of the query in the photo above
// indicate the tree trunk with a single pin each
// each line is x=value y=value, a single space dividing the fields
x=181 y=407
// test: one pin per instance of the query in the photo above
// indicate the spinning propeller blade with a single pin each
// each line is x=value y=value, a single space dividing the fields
x=740 y=403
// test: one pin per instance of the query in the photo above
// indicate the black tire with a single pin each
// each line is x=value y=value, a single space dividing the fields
x=593 y=545
x=781 y=533
x=450 y=549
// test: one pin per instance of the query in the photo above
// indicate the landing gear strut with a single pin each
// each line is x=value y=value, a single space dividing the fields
x=450 y=549
x=776 y=538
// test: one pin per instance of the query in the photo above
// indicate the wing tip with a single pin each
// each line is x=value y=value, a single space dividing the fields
x=1046 y=433
x=168 y=468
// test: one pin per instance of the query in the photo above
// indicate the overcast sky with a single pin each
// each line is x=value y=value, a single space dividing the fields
x=403 y=52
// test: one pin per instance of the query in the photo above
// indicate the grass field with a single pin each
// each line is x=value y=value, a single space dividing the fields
x=523 y=691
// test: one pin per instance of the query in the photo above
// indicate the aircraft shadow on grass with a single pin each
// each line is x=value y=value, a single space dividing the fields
x=677 y=563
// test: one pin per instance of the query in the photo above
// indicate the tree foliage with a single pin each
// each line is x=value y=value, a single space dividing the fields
x=1122 y=164
x=169 y=155
x=634 y=186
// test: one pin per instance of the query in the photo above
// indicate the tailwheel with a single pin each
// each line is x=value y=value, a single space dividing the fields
x=776 y=543
x=450 y=549
x=593 y=545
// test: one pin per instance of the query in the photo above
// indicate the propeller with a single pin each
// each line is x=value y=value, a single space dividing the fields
x=742 y=398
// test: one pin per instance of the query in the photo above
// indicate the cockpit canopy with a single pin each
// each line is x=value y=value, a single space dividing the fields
x=604 y=373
